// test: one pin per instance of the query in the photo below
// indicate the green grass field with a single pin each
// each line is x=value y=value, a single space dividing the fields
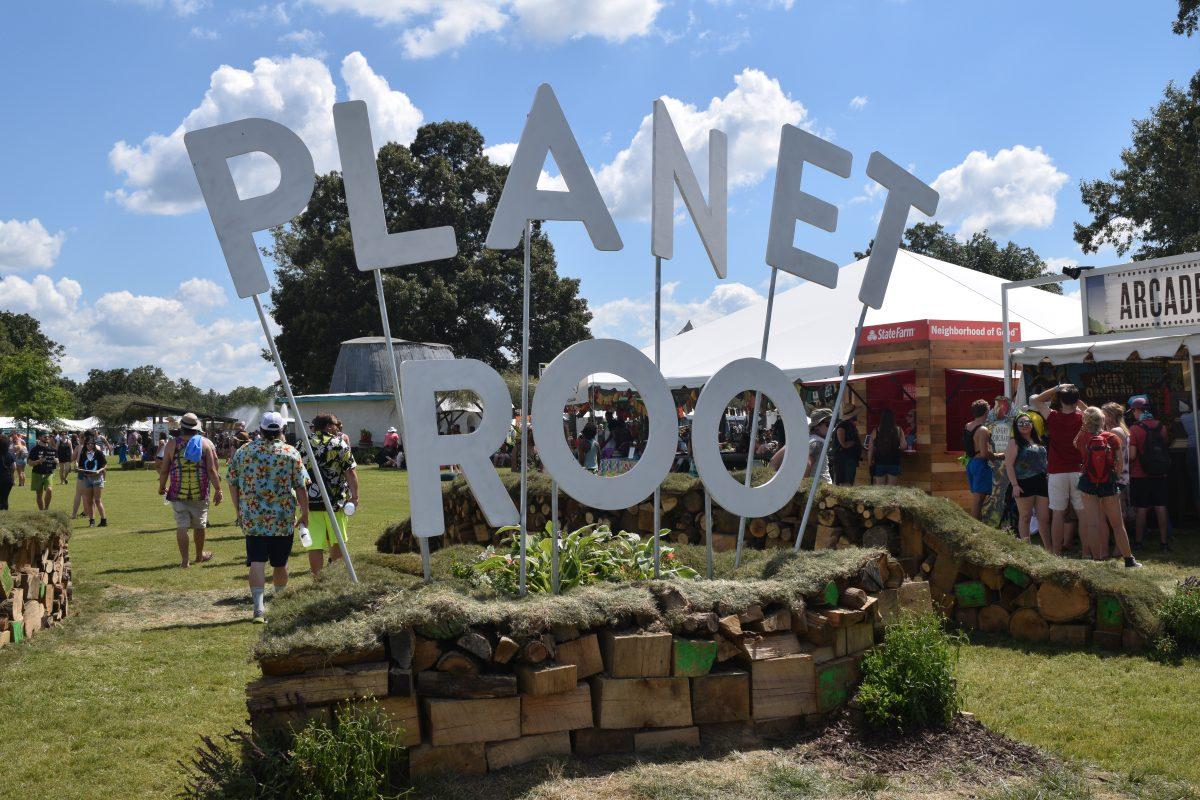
x=155 y=656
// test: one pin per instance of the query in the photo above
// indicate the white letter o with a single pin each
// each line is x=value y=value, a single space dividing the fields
x=556 y=387
x=732 y=378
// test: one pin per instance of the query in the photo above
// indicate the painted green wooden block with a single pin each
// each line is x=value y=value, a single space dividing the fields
x=18 y=631
x=832 y=685
x=971 y=594
x=694 y=657
x=41 y=591
x=1109 y=613
x=1016 y=576
x=6 y=581
x=831 y=595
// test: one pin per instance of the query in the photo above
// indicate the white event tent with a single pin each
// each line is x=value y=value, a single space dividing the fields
x=812 y=325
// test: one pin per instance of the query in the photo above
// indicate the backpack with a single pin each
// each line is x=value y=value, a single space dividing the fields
x=194 y=450
x=1153 y=455
x=1100 y=462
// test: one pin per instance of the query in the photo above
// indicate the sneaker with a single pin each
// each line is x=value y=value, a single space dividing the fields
x=260 y=617
x=1132 y=563
x=103 y=523
x=91 y=523
x=1164 y=547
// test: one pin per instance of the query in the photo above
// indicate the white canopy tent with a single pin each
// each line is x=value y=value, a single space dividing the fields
x=813 y=325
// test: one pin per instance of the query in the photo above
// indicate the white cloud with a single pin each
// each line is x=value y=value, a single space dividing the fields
x=751 y=115
x=259 y=14
x=28 y=245
x=206 y=34
x=201 y=294
x=632 y=318
x=439 y=26
x=1056 y=264
x=184 y=8
x=304 y=40
x=122 y=329
x=297 y=91
x=456 y=23
x=1014 y=189
x=858 y=102
x=613 y=20
x=501 y=153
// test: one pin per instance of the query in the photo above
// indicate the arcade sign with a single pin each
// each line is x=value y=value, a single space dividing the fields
x=547 y=132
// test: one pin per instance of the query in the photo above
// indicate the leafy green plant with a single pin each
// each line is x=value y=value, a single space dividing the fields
x=908 y=682
x=591 y=554
x=360 y=759
x=1180 y=614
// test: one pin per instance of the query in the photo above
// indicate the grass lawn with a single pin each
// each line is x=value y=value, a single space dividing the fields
x=156 y=655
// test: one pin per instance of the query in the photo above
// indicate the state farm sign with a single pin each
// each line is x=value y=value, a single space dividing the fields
x=937 y=330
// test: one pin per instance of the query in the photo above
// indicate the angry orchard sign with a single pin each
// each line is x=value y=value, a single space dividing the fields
x=547 y=132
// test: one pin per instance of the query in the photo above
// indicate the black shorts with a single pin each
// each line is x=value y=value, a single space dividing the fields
x=273 y=549
x=1148 y=492
x=1037 y=486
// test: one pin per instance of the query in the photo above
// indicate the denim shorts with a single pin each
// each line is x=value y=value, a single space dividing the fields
x=879 y=470
x=91 y=481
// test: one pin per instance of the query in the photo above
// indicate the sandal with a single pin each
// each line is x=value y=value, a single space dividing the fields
x=205 y=556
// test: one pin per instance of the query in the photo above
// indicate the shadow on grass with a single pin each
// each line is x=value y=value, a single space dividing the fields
x=137 y=570
x=199 y=626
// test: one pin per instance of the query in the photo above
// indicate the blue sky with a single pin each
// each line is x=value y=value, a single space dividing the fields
x=1003 y=107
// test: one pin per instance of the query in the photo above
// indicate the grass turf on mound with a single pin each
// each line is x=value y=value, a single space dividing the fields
x=985 y=546
x=19 y=527
x=334 y=615
x=964 y=537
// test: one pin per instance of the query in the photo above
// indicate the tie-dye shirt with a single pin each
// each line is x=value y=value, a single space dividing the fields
x=268 y=475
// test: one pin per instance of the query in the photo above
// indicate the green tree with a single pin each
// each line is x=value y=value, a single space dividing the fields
x=1152 y=202
x=146 y=381
x=979 y=252
x=1189 y=16
x=23 y=332
x=471 y=302
x=31 y=388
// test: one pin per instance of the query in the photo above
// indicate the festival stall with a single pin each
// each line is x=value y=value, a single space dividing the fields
x=1142 y=338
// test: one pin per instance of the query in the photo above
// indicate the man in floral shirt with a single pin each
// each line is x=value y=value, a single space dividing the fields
x=340 y=472
x=267 y=482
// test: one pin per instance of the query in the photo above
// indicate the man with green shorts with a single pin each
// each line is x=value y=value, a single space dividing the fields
x=340 y=474
x=43 y=458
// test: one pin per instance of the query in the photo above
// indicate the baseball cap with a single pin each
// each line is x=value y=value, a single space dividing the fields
x=819 y=416
x=1138 y=400
x=272 y=421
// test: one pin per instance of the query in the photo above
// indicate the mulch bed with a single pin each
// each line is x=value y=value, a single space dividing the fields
x=965 y=746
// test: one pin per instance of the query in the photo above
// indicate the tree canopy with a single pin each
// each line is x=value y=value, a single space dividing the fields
x=1189 y=16
x=471 y=302
x=106 y=390
x=979 y=252
x=23 y=332
x=30 y=387
x=1150 y=206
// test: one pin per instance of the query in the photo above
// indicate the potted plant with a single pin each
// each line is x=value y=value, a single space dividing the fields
x=364 y=438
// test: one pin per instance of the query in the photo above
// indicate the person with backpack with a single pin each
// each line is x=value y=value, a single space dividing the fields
x=1149 y=464
x=847 y=451
x=1025 y=463
x=1102 y=458
x=187 y=471
x=90 y=467
x=883 y=453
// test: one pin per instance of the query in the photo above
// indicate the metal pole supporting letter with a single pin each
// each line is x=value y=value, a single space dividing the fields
x=302 y=433
x=819 y=467
x=1195 y=417
x=766 y=338
x=395 y=372
x=1006 y=360
x=708 y=532
x=554 y=576
x=525 y=406
x=657 y=364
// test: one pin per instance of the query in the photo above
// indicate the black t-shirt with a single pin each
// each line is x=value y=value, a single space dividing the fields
x=853 y=446
x=50 y=459
x=64 y=451
x=92 y=461
x=6 y=466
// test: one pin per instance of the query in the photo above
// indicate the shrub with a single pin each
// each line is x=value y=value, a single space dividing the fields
x=1180 y=614
x=361 y=760
x=592 y=554
x=908 y=682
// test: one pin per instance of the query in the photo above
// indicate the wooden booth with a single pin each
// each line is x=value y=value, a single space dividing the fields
x=928 y=372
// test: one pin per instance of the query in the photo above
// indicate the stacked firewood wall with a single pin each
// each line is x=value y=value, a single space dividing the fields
x=35 y=583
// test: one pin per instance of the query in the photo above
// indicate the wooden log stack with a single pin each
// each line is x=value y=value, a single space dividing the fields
x=35 y=586
x=487 y=700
